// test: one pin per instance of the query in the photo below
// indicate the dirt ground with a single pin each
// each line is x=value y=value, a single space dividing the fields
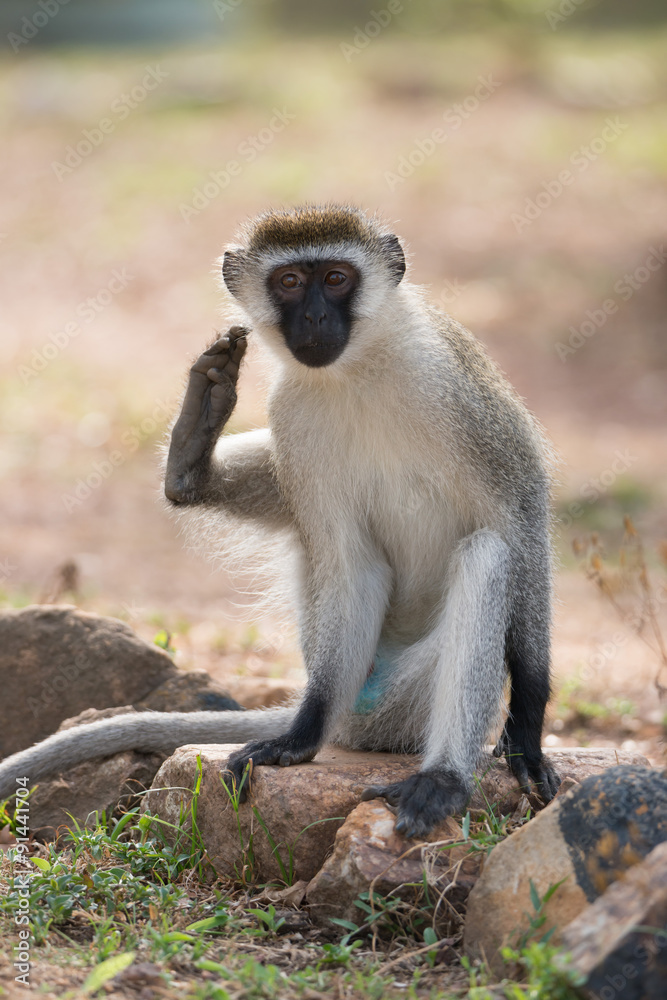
x=82 y=380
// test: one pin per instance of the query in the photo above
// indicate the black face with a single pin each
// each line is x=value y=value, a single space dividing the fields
x=315 y=303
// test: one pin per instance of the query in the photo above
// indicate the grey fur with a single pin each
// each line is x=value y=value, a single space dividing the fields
x=143 y=731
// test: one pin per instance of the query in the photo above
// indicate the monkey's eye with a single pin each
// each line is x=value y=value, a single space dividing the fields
x=290 y=281
x=335 y=278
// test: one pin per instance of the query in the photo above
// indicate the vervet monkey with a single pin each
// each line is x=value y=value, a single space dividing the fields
x=412 y=485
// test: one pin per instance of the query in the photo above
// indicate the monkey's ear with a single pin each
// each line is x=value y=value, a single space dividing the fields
x=233 y=264
x=394 y=255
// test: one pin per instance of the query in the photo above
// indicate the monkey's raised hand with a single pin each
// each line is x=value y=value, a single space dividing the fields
x=209 y=401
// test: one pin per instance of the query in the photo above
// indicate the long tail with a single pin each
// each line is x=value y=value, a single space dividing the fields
x=145 y=731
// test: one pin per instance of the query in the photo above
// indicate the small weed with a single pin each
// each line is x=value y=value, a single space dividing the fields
x=163 y=640
x=547 y=973
x=268 y=920
x=338 y=953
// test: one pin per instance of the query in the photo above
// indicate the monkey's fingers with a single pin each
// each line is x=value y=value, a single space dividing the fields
x=236 y=783
x=238 y=345
x=226 y=363
x=228 y=340
x=221 y=377
x=540 y=777
x=390 y=793
x=546 y=779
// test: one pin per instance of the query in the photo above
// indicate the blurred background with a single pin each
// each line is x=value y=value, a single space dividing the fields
x=518 y=146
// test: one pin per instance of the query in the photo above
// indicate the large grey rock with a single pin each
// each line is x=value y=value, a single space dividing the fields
x=619 y=942
x=587 y=840
x=288 y=801
x=56 y=661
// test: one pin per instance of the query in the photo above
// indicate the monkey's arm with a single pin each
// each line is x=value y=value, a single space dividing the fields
x=145 y=731
x=347 y=593
x=236 y=472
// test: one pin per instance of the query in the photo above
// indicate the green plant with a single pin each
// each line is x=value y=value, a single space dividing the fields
x=268 y=919
x=338 y=953
x=547 y=974
x=163 y=640
x=539 y=917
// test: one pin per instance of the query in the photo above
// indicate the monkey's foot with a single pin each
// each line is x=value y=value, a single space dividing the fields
x=529 y=768
x=283 y=751
x=423 y=800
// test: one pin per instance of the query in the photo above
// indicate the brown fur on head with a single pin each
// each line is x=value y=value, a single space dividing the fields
x=340 y=232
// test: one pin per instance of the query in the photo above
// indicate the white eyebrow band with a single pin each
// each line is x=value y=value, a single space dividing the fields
x=342 y=252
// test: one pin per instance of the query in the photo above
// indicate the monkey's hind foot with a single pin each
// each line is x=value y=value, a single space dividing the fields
x=423 y=800
x=283 y=751
x=529 y=769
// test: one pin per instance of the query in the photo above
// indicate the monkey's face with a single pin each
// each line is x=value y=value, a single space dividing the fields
x=314 y=300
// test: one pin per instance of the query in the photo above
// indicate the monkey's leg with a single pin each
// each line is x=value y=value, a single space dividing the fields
x=527 y=653
x=344 y=606
x=466 y=649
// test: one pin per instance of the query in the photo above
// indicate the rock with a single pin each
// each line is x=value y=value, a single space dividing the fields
x=56 y=661
x=285 y=801
x=90 y=788
x=565 y=786
x=188 y=691
x=614 y=943
x=94 y=715
x=323 y=792
x=589 y=838
x=368 y=853
x=262 y=692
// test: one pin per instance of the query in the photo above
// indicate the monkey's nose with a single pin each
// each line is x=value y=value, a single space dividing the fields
x=315 y=318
